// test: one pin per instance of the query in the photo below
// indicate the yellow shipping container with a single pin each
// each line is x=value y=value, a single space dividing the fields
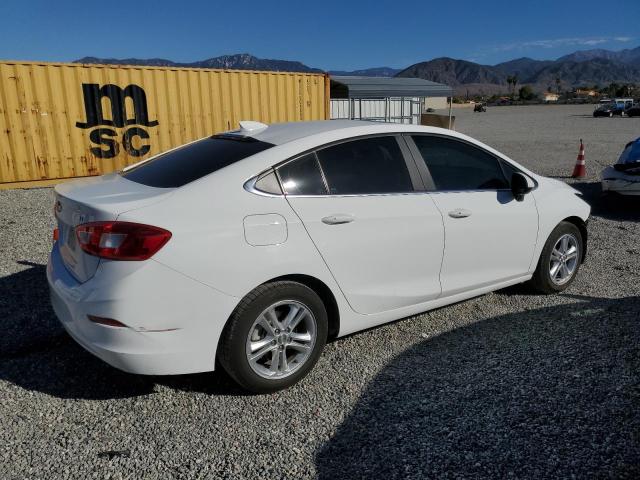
x=70 y=120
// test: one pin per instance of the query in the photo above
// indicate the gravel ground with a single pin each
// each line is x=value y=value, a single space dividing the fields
x=506 y=385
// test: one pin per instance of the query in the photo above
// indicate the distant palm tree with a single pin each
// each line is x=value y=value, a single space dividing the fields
x=558 y=82
x=512 y=80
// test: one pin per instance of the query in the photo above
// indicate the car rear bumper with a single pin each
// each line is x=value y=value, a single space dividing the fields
x=173 y=323
x=621 y=186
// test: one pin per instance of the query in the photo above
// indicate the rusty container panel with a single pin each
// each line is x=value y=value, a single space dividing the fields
x=61 y=121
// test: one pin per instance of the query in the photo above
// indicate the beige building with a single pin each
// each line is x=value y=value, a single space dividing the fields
x=386 y=99
x=550 y=97
x=586 y=93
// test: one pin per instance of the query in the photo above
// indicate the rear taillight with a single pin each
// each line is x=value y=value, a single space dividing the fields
x=121 y=240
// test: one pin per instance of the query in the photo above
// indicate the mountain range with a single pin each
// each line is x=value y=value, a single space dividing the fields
x=369 y=72
x=581 y=68
x=240 y=61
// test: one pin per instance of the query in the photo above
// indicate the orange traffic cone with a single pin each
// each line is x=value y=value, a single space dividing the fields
x=580 y=170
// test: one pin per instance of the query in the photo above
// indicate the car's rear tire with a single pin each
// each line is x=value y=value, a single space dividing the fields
x=560 y=259
x=274 y=336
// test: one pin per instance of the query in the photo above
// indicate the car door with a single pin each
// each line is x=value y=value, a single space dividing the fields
x=380 y=237
x=489 y=236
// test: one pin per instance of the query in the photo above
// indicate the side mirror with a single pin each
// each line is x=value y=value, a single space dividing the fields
x=521 y=185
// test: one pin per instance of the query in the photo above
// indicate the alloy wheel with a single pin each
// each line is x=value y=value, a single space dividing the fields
x=281 y=339
x=564 y=259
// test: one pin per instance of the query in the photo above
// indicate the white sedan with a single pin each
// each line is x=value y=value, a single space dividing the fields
x=253 y=247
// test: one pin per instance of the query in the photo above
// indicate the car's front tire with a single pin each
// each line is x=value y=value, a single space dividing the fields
x=274 y=336
x=560 y=259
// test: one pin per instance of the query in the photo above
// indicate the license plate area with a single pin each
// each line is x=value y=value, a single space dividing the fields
x=71 y=238
x=69 y=213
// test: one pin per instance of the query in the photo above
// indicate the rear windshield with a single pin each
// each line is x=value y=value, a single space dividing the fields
x=191 y=162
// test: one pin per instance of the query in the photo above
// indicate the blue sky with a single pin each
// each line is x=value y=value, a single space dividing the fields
x=324 y=34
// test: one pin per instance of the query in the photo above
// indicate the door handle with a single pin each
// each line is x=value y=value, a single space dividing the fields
x=460 y=213
x=338 y=219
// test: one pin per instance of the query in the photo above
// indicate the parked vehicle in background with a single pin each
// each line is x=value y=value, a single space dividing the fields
x=633 y=111
x=624 y=103
x=255 y=246
x=609 y=110
x=624 y=177
x=480 y=107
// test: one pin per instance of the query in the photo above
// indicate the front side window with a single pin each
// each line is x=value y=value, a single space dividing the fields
x=508 y=170
x=455 y=165
x=366 y=166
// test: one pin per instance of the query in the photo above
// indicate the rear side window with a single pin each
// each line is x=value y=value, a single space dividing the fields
x=268 y=183
x=191 y=162
x=302 y=177
x=455 y=165
x=367 y=166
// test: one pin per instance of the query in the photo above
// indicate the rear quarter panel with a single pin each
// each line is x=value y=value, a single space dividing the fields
x=208 y=241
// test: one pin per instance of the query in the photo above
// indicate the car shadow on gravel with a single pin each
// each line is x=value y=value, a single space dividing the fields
x=28 y=322
x=37 y=354
x=552 y=392
x=609 y=206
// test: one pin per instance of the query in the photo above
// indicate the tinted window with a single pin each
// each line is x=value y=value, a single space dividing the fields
x=456 y=165
x=302 y=177
x=193 y=161
x=268 y=183
x=371 y=165
x=508 y=170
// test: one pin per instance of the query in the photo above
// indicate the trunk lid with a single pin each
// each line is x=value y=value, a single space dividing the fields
x=93 y=200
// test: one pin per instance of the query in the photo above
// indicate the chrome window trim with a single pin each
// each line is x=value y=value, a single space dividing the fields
x=249 y=186
x=420 y=192
x=413 y=150
x=476 y=190
x=408 y=159
x=414 y=174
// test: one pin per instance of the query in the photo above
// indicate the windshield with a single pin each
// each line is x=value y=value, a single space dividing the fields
x=631 y=153
x=193 y=161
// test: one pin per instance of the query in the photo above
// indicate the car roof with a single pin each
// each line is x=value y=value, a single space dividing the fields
x=281 y=133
